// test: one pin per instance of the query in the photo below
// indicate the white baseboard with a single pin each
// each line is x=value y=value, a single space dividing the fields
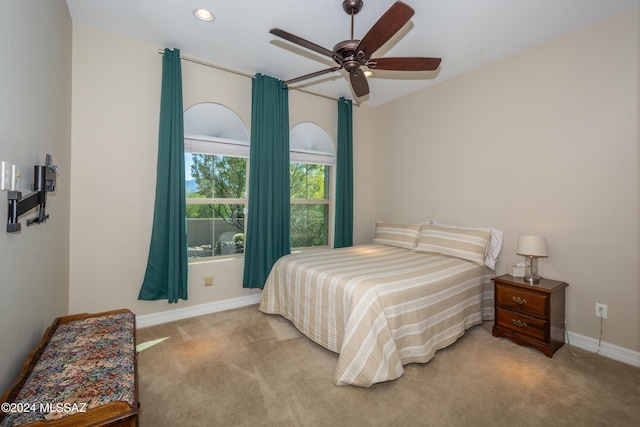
x=152 y=319
x=611 y=351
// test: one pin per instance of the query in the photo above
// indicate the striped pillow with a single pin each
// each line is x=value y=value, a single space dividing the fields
x=400 y=235
x=471 y=245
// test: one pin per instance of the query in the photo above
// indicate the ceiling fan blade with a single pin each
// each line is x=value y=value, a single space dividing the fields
x=310 y=75
x=301 y=42
x=388 y=24
x=404 y=64
x=359 y=83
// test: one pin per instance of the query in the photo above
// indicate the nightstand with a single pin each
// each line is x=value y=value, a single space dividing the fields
x=530 y=315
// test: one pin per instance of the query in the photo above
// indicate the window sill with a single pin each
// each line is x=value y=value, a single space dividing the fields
x=220 y=258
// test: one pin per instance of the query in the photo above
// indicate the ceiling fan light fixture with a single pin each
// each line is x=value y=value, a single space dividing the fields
x=368 y=73
x=203 y=15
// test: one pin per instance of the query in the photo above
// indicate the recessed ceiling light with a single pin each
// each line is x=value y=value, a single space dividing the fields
x=203 y=15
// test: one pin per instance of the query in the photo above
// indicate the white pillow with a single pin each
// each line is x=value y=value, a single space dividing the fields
x=495 y=245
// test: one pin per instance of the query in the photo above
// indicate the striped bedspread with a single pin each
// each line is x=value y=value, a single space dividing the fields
x=379 y=307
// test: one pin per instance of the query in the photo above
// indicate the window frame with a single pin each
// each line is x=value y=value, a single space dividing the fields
x=212 y=128
x=197 y=144
x=326 y=156
x=328 y=201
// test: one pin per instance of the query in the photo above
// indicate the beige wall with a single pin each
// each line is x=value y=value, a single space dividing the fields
x=116 y=96
x=364 y=173
x=35 y=119
x=544 y=142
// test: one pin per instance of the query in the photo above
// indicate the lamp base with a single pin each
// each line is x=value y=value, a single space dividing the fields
x=531 y=272
x=531 y=279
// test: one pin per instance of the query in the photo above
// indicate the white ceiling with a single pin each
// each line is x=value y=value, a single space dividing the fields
x=466 y=34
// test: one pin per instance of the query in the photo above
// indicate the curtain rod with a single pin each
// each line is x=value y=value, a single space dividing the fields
x=240 y=73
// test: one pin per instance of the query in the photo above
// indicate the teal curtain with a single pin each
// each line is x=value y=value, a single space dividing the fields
x=166 y=274
x=343 y=235
x=267 y=233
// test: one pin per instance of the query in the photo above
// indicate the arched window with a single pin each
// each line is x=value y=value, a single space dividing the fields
x=311 y=144
x=216 y=149
x=312 y=156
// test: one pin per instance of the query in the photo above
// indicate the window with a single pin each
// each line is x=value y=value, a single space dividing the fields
x=216 y=165
x=312 y=156
x=309 y=205
x=216 y=201
x=216 y=157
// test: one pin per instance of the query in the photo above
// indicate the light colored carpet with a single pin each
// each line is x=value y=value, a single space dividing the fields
x=242 y=367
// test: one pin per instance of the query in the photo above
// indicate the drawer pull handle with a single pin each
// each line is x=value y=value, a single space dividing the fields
x=519 y=323
x=519 y=300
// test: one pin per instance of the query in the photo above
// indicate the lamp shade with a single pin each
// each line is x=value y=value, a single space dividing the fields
x=532 y=246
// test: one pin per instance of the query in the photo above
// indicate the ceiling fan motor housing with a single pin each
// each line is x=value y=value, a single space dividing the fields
x=345 y=55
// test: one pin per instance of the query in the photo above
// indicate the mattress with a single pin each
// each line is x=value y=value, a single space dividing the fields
x=379 y=307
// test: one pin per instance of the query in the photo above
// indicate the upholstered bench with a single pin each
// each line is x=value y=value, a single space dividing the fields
x=83 y=373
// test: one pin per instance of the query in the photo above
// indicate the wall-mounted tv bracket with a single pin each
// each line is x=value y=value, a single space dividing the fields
x=44 y=180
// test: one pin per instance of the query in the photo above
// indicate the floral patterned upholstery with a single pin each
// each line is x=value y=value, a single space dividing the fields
x=87 y=363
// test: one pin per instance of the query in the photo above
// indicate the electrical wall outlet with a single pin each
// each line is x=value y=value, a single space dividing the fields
x=208 y=280
x=601 y=310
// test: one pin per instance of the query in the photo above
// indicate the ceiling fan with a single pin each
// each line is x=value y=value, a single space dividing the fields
x=353 y=54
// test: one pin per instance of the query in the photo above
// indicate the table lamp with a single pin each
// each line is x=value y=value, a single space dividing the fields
x=532 y=247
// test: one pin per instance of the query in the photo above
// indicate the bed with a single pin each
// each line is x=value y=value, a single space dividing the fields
x=383 y=305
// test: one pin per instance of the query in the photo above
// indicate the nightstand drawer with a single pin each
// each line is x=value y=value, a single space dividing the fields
x=521 y=323
x=528 y=302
